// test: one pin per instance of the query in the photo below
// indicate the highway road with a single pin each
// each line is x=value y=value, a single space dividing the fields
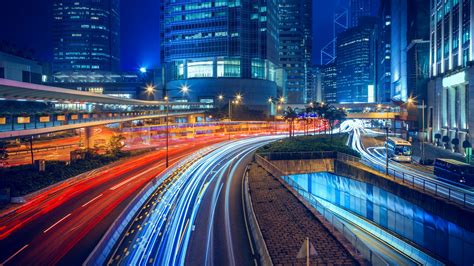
x=375 y=158
x=62 y=224
x=196 y=216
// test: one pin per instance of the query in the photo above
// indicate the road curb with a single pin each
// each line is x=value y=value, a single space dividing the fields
x=250 y=217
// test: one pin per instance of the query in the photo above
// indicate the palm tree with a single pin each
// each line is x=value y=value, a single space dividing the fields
x=321 y=109
x=290 y=116
x=334 y=114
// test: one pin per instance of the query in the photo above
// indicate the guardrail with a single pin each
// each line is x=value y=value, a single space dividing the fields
x=26 y=151
x=432 y=187
x=274 y=156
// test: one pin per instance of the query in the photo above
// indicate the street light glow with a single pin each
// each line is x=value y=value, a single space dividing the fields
x=185 y=89
x=150 y=89
x=238 y=97
x=270 y=100
x=143 y=69
x=282 y=99
x=220 y=97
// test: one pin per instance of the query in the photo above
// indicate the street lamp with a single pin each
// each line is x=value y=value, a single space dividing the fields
x=184 y=90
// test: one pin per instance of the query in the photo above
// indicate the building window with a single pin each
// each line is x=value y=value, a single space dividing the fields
x=200 y=69
x=2 y=73
x=25 y=76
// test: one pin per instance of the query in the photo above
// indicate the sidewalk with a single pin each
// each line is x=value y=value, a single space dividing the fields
x=285 y=222
x=432 y=152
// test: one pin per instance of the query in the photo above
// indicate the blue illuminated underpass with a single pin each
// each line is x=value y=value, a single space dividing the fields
x=397 y=219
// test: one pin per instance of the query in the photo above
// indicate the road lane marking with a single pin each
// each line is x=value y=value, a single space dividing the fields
x=182 y=235
x=16 y=253
x=87 y=203
x=62 y=219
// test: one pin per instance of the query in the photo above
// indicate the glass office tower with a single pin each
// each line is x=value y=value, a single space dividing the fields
x=295 y=30
x=86 y=35
x=217 y=47
x=355 y=50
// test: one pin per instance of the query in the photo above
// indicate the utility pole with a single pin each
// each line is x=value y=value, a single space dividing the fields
x=31 y=150
x=423 y=137
x=386 y=150
x=167 y=131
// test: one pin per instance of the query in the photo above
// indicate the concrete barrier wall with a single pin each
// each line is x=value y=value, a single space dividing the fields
x=432 y=204
x=305 y=166
x=253 y=225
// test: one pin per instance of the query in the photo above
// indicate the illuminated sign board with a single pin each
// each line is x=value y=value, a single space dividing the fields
x=23 y=120
x=453 y=80
x=370 y=94
x=44 y=119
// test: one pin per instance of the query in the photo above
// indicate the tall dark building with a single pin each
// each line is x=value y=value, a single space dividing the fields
x=361 y=8
x=86 y=35
x=409 y=47
x=328 y=83
x=220 y=47
x=295 y=28
x=355 y=63
x=383 y=58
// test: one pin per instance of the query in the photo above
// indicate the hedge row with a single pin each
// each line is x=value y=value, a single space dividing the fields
x=26 y=179
x=311 y=144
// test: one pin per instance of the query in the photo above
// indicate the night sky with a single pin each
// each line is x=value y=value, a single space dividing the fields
x=27 y=24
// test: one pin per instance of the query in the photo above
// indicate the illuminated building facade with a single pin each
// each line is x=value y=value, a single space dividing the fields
x=86 y=35
x=295 y=31
x=328 y=83
x=218 y=47
x=450 y=92
x=355 y=49
x=361 y=8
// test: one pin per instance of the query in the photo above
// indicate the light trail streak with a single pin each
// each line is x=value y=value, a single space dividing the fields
x=375 y=158
x=164 y=232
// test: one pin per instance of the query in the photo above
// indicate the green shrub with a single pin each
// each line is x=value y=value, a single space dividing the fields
x=310 y=144
x=25 y=179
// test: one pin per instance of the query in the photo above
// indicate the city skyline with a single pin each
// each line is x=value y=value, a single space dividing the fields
x=139 y=22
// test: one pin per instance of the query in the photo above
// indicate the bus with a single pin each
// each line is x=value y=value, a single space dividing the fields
x=454 y=171
x=399 y=149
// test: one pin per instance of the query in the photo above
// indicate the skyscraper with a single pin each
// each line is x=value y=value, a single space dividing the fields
x=384 y=48
x=328 y=83
x=86 y=35
x=355 y=63
x=295 y=28
x=450 y=90
x=361 y=8
x=220 y=47
x=410 y=29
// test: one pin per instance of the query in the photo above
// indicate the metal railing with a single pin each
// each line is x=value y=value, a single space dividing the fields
x=359 y=246
x=433 y=187
x=299 y=155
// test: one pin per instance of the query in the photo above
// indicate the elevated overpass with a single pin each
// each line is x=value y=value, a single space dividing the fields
x=72 y=109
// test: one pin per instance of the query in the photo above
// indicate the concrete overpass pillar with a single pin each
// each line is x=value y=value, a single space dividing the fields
x=86 y=137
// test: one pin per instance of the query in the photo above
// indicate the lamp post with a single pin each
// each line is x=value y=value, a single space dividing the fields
x=184 y=90
x=167 y=130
